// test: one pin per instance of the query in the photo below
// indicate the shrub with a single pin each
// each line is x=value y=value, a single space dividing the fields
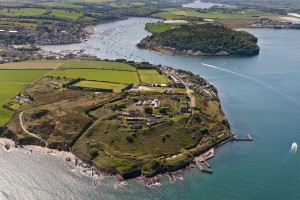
x=163 y=110
x=129 y=139
x=121 y=106
x=148 y=110
x=93 y=152
x=40 y=113
x=204 y=131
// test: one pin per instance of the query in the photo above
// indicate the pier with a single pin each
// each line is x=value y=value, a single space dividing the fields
x=202 y=169
x=207 y=164
x=203 y=158
x=236 y=138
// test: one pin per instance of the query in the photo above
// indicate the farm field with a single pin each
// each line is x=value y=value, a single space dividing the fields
x=8 y=90
x=31 y=65
x=152 y=76
x=181 y=13
x=97 y=65
x=99 y=75
x=102 y=85
x=21 y=76
x=22 y=12
x=61 y=4
x=13 y=82
x=159 y=27
x=65 y=14
x=167 y=15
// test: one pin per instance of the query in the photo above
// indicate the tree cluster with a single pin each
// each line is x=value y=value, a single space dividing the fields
x=207 y=38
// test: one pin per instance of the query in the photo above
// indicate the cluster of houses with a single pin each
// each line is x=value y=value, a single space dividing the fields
x=21 y=99
x=61 y=35
x=56 y=36
x=267 y=23
x=195 y=86
x=136 y=119
x=12 y=53
x=153 y=103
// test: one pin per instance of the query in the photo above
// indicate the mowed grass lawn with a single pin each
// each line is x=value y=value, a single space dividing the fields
x=22 y=12
x=152 y=76
x=115 y=76
x=102 y=85
x=65 y=14
x=97 y=65
x=12 y=82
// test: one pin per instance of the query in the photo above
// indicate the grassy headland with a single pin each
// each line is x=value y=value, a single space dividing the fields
x=117 y=126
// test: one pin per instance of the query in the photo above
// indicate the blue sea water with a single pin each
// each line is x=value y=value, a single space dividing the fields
x=260 y=95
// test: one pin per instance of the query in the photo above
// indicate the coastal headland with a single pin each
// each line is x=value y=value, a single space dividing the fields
x=120 y=117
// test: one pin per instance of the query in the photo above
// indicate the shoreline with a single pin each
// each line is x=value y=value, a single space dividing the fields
x=149 y=179
x=65 y=155
x=172 y=52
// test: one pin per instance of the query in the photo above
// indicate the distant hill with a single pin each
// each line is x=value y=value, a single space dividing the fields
x=204 y=39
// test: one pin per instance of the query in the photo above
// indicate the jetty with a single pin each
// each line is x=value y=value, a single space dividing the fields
x=202 y=169
x=203 y=158
x=248 y=138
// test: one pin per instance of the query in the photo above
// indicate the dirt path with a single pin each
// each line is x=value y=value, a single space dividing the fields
x=29 y=133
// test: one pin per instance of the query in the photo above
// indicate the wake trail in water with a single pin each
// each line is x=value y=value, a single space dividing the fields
x=294 y=148
x=255 y=80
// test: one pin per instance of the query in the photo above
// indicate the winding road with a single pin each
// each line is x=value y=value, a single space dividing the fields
x=29 y=133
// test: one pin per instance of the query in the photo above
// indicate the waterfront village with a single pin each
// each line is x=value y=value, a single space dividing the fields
x=57 y=34
x=18 y=53
x=268 y=23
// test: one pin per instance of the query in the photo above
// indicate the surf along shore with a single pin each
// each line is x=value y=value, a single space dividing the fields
x=86 y=165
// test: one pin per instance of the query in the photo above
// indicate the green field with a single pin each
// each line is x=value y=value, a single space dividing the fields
x=66 y=14
x=238 y=14
x=126 y=77
x=102 y=85
x=13 y=82
x=97 y=65
x=8 y=91
x=159 y=27
x=62 y=4
x=21 y=76
x=152 y=76
x=22 y=12
x=31 y=65
x=166 y=15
